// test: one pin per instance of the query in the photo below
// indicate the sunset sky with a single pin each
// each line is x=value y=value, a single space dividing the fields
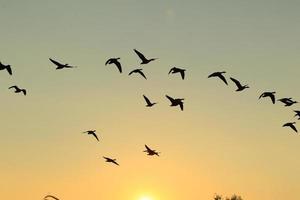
x=223 y=142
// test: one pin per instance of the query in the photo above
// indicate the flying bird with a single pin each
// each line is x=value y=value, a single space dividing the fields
x=139 y=71
x=7 y=67
x=151 y=152
x=92 y=132
x=60 y=65
x=18 y=90
x=297 y=114
x=291 y=125
x=287 y=101
x=178 y=70
x=143 y=58
x=176 y=102
x=240 y=87
x=116 y=62
x=110 y=160
x=50 y=196
x=268 y=94
x=149 y=103
x=219 y=75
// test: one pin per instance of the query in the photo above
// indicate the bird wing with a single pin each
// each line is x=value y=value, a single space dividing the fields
x=106 y=158
x=148 y=149
x=170 y=98
x=55 y=62
x=147 y=100
x=94 y=134
x=223 y=79
x=171 y=70
x=141 y=56
x=108 y=61
x=141 y=73
x=133 y=71
x=181 y=105
x=238 y=84
x=8 y=68
x=212 y=75
x=294 y=128
x=14 y=86
x=262 y=95
x=115 y=162
x=272 y=96
x=69 y=66
x=297 y=111
x=118 y=64
x=24 y=91
x=182 y=73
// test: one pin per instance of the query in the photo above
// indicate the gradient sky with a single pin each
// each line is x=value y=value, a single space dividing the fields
x=224 y=142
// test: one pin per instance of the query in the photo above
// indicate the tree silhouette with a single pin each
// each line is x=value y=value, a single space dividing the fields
x=233 y=197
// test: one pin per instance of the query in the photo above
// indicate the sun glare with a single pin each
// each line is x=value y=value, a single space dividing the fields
x=145 y=198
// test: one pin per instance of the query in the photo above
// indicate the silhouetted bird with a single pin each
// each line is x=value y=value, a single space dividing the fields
x=92 y=132
x=291 y=125
x=149 y=103
x=50 y=196
x=297 y=113
x=18 y=90
x=176 y=102
x=143 y=58
x=110 y=160
x=240 y=87
x=116 y=62
x=287 y=101
x=61 y=66
x=7 y=67
x=268 y=94
x=139 y=71
x=178 y=70
x=219 y=75
x=151 y=152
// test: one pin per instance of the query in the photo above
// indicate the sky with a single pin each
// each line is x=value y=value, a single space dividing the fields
x=223 y=142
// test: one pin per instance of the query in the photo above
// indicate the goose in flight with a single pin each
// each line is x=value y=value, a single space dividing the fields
x=291 y=125
x=268 y=94
x=287 y=101
x=240 y=87
x=143 y=58
x=149 y=103
x=297 y=113
x=50 y=196
x=151 y=152
x=92 y=132
x=178 y=70
x=18 y=90
x=139 y=71
x=176 y=102
x=60 y=65
x=111 y=160
x=116 y=62
x=219 y=75
x=7 y=67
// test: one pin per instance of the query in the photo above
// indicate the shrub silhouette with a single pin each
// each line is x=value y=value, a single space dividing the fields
x=233 y=197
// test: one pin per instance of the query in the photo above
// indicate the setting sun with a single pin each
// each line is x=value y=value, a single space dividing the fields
x=145 y=198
